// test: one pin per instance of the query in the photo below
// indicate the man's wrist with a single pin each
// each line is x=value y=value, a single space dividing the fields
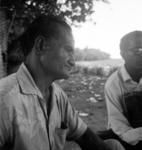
x=131 y=136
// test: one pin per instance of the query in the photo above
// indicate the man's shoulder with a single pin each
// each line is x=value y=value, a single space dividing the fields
x=58 y=90
x=56 y=86
x=114 y=82
x=60 y=98
x=113 y=78
x=7 y=85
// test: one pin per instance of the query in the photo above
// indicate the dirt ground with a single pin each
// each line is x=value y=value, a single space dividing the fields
x=86 y=93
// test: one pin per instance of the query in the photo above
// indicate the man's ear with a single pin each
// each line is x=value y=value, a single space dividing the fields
x=40 y=44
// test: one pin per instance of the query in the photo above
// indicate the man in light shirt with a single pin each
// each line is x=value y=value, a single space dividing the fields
x=123 y=93
x=35 y=113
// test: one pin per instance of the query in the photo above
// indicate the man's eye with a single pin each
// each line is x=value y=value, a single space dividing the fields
x=69 y=49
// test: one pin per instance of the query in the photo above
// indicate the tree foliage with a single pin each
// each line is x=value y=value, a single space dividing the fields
x=22 y=12
x=76 y=10
x=90 y=54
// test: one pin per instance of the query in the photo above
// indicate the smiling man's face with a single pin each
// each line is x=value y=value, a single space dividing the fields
x=59 y=60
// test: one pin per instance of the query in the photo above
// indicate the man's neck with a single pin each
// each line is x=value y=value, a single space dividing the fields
x=135 y=75
x=43 y=82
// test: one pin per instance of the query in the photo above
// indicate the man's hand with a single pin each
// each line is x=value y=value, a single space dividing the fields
x=133 y=136
x=90 y=141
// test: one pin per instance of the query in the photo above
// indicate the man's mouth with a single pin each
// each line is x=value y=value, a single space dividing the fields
x=69 y=68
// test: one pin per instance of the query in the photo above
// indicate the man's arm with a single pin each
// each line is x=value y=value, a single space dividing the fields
x=90 y=141
x=78 y=130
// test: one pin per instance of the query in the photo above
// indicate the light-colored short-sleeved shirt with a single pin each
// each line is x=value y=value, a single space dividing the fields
x=24 y=123
x=117 y=86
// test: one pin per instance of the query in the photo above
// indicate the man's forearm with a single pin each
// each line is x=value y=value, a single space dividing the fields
x=90 y=141
x=132 y=136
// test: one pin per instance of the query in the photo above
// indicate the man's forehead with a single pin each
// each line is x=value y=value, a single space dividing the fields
x=67 y=36
x=66 y=40
x=64 y=36
x=131 y=41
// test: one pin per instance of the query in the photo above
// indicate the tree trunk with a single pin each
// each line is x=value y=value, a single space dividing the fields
x=3 y=41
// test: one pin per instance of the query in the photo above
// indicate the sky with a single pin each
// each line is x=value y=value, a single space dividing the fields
x=112 y=22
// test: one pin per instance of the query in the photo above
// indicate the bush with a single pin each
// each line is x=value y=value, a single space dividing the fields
x=97 y=70
x=90 y=55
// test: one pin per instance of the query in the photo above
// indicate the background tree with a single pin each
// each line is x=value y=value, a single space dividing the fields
x=15 y=15
x=90 y=54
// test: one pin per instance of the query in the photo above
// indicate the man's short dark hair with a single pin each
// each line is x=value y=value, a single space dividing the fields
x=131 y=41
x=47 y=26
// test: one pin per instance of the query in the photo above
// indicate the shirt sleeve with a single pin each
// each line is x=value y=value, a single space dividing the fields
x=76 y=126
x=116 y=119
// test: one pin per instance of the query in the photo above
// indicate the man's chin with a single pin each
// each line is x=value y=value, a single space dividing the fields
x=66 y=76
x=63 y=76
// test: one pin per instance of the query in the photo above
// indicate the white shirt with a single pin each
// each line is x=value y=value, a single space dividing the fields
x=24 y=121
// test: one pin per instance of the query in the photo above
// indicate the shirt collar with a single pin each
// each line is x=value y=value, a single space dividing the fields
x=125 y=75
x=26 y=82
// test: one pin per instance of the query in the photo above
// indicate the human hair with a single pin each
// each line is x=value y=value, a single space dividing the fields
x=45 y=25
x=15 y=55
x=131 y=40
